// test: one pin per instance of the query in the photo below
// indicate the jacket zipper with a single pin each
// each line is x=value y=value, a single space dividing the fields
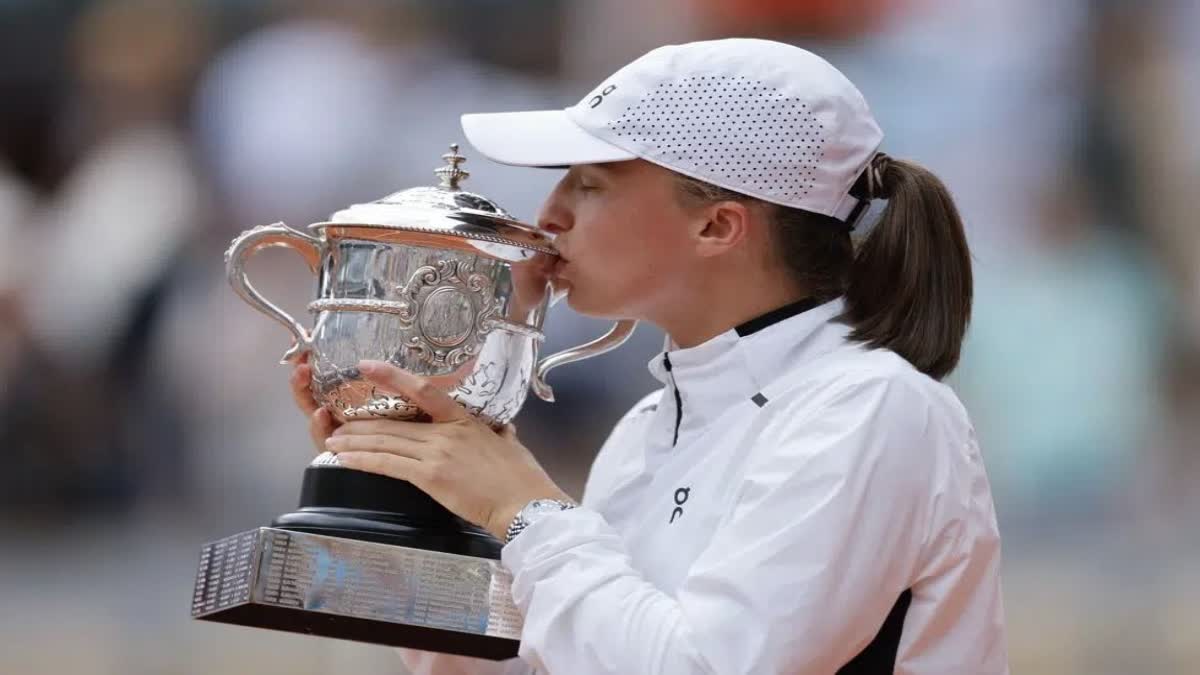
x=678 y=399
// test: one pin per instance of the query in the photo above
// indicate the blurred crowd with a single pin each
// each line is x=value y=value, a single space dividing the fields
x=143 y=413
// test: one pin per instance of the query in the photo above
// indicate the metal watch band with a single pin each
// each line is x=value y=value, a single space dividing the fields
x=536 y=507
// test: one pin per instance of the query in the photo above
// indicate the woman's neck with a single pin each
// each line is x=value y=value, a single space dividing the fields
x=718 y=303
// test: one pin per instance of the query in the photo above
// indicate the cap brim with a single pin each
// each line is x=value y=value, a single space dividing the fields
x=546 y=138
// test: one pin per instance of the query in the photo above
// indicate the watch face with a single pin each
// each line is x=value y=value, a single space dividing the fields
x=539 y=506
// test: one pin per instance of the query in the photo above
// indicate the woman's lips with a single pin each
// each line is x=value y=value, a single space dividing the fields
x=559 y=266
x=559 y=280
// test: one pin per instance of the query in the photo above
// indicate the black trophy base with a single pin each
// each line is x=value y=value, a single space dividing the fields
x=351 y=504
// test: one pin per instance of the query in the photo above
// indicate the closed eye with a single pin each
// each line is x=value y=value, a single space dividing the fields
x=586 y=183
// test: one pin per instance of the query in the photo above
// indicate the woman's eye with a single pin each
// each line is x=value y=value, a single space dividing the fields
x=586 y=187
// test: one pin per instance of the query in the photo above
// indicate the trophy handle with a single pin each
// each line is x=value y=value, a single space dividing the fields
x=250 y=242
x=615 y=337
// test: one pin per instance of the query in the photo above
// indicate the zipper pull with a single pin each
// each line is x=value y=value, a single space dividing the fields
x=678 y=399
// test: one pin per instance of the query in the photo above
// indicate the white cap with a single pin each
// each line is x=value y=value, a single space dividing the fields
x=758 y=117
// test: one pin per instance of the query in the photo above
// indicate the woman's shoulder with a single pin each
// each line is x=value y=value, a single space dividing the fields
x=855 y=375
x=871 y=412
x=645 y=405
x=635 y=419
x=613 y=460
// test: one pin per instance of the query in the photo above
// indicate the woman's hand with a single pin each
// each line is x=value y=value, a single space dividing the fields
x=483 y=476
x=320 y=422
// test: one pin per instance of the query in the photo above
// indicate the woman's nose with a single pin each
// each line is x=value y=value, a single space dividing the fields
x=555 y=216
x=552 y=225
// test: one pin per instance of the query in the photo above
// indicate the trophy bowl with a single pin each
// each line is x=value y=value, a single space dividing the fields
x=444 y=284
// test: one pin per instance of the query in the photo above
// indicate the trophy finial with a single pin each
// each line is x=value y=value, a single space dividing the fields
x=451 y=174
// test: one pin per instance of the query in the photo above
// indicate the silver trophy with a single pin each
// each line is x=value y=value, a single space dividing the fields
x=445 y=284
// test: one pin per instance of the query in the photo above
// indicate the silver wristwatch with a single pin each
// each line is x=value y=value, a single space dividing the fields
x=532 y=511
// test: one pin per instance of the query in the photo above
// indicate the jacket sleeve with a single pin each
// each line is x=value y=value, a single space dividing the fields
x=431 y=663
x=798 y=577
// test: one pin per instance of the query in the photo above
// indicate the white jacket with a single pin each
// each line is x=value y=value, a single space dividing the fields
x=808 y=498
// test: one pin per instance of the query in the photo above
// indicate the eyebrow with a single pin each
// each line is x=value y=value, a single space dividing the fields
x=591 y=167
x=579 y=170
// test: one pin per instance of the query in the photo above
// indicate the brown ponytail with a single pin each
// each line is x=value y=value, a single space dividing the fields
x=907 y=283
x=909 y=288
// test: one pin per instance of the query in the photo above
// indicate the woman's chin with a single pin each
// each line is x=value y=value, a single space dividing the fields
x=581 y=303
x=577 y=301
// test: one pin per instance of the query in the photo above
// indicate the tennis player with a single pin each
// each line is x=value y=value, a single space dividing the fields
x=803 y=494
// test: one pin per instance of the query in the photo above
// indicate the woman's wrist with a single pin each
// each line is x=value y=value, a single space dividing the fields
x=504 y=516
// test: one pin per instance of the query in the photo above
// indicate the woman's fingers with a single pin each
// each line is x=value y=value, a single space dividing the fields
x=301 y=386
x=508 y=432
x=321 y=425
x=383 y=454
x=385 y=464
x=415 y=389
x=379 y=443
x=418 y=432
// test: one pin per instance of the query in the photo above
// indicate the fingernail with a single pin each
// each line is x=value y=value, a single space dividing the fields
x=369 y=366
x=332 y=443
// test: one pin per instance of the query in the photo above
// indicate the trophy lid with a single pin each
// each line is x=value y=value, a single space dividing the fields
x=446 y=210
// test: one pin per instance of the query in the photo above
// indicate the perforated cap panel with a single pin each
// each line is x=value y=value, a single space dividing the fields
x=731 y=130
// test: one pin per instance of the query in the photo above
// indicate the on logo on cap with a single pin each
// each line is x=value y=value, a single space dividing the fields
x=599 y=98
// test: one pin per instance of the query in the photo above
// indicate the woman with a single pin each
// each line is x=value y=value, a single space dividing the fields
x=802 y=495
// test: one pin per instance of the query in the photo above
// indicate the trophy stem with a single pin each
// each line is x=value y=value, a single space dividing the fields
x=351 y=504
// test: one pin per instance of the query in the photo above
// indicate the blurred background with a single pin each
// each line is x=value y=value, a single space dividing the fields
x=142 y=412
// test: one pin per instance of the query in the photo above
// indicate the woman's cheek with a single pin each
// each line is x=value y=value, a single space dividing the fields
x=598 y=289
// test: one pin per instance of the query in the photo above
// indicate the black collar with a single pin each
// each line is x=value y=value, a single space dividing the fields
x=775 y=316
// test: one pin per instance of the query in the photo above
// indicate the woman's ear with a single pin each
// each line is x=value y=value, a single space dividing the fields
x=722 y=226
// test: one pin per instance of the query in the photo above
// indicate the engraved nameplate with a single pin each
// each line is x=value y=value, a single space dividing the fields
x=358 y=590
